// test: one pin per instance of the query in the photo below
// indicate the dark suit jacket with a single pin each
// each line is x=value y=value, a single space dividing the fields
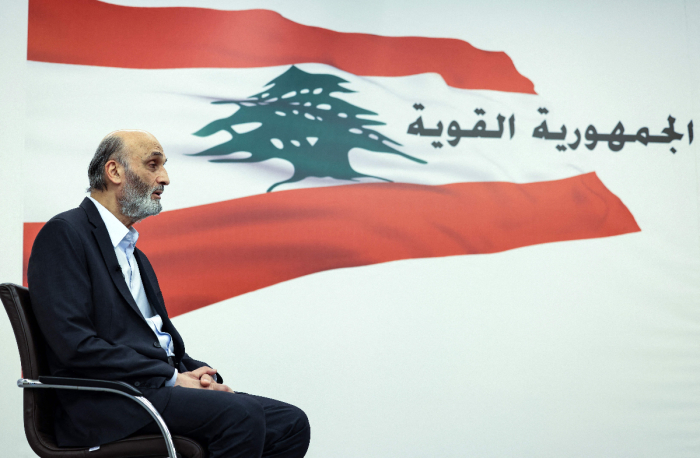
x=94 y=329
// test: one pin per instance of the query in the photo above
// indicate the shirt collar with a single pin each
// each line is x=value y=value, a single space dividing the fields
x=116 y=229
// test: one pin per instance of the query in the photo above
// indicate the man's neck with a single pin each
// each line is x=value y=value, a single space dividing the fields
x=109 y=201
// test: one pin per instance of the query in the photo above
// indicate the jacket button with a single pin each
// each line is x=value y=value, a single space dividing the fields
x=156 y=344
x=137 y=383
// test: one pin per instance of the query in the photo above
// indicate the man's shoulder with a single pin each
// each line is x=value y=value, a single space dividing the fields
x=68 y=230
x=74 y=215
x=75 y=220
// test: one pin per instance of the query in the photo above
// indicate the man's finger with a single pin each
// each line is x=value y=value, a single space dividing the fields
x=203 y=370
x=222 y=387
x=187 y=381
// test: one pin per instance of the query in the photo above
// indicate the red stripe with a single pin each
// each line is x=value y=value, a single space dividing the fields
x=88 y=32
x=30 y=232
x=206 y=254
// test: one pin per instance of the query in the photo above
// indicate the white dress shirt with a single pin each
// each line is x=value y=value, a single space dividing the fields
x=124 y=242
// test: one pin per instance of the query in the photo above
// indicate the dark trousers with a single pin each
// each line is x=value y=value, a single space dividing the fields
x=236 y=424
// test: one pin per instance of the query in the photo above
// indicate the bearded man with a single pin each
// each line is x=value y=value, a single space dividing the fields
x=97 y=301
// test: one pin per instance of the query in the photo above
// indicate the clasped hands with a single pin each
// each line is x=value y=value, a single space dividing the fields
x=201 y=378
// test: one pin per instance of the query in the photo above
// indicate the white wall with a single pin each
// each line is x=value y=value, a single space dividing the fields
x=13 y=51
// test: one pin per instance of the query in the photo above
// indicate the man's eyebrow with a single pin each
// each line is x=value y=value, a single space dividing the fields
x=157 y=153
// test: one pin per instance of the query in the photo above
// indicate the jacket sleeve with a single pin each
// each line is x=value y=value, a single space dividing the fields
x=62 y=297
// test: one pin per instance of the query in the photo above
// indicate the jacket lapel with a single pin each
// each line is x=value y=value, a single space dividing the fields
x=103 y=241
x=148 y=279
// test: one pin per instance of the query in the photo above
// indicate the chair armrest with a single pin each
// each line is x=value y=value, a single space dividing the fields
x=90 y=383
x=105 y=386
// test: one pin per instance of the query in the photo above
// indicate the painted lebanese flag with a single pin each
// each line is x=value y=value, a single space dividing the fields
x=267 y=121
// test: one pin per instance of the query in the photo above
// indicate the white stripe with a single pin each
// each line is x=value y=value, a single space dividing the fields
x=70 y=108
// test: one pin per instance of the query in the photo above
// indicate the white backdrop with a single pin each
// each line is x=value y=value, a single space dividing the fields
x=576 y=349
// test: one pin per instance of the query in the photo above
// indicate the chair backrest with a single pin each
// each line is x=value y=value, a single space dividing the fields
x=39 y=405
x=30 y=342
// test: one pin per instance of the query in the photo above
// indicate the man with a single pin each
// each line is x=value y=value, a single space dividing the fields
x=99 y=306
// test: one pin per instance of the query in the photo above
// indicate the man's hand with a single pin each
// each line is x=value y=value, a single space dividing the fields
x=210 y=383
x=201 y=378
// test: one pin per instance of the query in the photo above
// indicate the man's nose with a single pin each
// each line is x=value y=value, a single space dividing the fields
x=163 y=178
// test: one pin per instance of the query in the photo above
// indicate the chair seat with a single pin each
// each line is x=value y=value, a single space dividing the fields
x=151 y=444
x=146 y=446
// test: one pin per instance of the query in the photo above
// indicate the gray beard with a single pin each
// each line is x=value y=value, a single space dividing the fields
x=135 y=201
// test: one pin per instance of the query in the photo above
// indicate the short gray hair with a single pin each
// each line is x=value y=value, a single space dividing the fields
x=111 y=147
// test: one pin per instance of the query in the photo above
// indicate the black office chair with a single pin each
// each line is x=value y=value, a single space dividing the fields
x=40 y=399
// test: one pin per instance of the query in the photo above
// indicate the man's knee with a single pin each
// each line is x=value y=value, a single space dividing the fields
x=302 y=422
x=299 y=435
x=283 y=429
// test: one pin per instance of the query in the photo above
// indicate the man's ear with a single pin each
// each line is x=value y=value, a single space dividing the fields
x=114 y=172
